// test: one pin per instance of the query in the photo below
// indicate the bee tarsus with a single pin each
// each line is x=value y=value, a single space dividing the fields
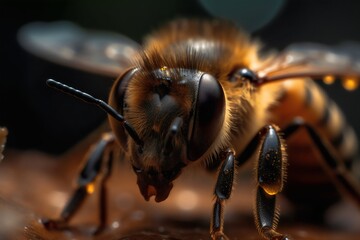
x=98 y=161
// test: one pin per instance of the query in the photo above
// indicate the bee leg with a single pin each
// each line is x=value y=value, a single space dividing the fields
x=103 y=194
x=223 y=189
x=336 y=167
x=267 y=215
x=270 y=177
x=92 y=168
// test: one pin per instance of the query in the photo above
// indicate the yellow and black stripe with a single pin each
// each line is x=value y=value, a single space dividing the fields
x=305 y=99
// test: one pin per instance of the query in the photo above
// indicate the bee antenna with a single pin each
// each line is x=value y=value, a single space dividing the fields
x=172 y=132
x=100 y=103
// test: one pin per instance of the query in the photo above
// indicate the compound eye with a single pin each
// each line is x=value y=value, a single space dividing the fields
x=208 y=117
x=120 y=88
x=117 y=101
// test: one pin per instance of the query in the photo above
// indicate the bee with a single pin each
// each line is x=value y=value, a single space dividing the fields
x=202 y=91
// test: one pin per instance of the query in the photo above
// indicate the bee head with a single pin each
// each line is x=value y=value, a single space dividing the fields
x=178 y=114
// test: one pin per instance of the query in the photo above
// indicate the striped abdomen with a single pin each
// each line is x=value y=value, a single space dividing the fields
x=307 y=179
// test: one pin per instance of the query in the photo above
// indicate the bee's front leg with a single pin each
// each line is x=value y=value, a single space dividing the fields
x=98 y=161
x=223 y=190
x=271 y=168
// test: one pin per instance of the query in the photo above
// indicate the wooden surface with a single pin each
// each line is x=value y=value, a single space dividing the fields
x=34 y=185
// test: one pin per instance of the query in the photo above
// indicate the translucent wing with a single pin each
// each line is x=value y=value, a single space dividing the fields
x=64 y=43
x=315 y=61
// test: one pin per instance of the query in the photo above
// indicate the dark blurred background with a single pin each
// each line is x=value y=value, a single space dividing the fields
x=38 y=120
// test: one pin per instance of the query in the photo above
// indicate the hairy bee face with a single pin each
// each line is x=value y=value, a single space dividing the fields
x=202 y=91
x=178 y=114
